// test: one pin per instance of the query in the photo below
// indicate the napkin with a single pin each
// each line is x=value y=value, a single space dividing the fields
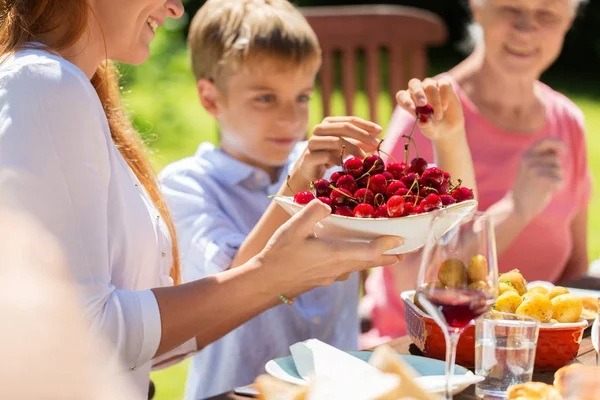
x=334 y=374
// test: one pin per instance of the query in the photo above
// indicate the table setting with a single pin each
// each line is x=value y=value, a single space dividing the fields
x=472 y=333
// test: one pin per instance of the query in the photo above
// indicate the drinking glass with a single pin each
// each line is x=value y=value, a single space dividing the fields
x=458 y=276
x=504 y=352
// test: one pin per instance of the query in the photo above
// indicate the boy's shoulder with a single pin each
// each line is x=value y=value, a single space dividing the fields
x=197 y=168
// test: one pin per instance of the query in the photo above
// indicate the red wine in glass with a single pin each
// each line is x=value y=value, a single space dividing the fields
x=457 y=307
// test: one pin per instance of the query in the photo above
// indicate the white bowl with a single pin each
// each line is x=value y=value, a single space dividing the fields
x=413 y=228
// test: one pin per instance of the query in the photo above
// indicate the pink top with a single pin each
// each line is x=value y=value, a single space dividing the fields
x=544 y=247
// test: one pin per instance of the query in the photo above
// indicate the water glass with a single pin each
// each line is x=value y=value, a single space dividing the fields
x=504 y=352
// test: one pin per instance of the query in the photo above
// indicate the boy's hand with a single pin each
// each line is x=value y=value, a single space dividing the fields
x=447 y=120
x=324 y=149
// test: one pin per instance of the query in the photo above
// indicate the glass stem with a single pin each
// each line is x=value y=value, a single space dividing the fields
x=451 y=343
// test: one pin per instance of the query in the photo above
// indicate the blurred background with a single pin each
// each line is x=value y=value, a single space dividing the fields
x=161 y=98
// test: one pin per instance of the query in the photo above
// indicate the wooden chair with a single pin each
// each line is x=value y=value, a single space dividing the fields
x=405 y=32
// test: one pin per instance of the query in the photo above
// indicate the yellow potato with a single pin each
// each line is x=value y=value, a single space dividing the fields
x=479 y=285
x=516 y=280
x=508 y=302
x=453 y=274
x=538 y=289
x=505 y=287
x=567 y=308
x=556 y=291
x=478 y=268
x=537 y=306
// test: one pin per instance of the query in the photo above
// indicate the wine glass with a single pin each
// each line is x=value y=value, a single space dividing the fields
x=458 y=277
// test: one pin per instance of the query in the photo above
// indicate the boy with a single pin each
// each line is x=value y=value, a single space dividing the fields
x=255 y=64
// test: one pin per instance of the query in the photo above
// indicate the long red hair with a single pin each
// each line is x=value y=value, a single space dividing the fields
x=22 y=21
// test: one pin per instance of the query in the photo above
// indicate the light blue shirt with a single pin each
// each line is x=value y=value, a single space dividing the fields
x=216 y=201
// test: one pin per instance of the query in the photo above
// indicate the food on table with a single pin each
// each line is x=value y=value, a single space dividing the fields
x=504 y=287
x=556 y=291
x=538 y=289
x=591 y=307
x=368 y=188
x=553 y=306
x=533 y=391
x=453 y=274
x=478 y=285
x=391 y=379
x=567 y=308
x=514 y=279
x=536 y=305
x=271 y=388
x=478 y=268
x=508 y=302
x=578 y=381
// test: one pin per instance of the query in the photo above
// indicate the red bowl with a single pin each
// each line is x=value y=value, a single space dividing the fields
x=558 y=344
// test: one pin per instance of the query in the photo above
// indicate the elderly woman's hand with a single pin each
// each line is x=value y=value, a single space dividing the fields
x=447 y=120
x=300 y=261
x=539 y=176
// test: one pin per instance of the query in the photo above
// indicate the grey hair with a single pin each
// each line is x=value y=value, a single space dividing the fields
x=474 y=35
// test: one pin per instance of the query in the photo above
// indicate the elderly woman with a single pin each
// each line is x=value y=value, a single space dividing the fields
x=528 y=148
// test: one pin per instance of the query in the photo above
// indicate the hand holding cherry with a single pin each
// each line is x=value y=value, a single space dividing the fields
x=436 y=105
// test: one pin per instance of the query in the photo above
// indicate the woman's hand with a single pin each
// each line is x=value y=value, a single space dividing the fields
x=302 y=262
x=539 y=176
x=447 y=120
x=353 y=135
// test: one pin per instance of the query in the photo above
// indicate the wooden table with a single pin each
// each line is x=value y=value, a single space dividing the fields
x=403 y=345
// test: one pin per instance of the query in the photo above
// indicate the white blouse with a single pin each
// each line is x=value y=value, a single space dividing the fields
x=59 y=163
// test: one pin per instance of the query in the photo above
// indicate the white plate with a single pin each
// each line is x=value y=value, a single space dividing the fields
x=412 y=228
x=283 y=368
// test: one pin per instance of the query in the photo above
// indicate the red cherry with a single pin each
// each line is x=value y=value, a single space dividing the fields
x=354 y=166
x=433 y=177
x=462 y=193
x=365 y=196
x=335 y=176
x=338 y=198
x=378 y=183
x=375 y=162
x=409 y=181
x=364 y=210
x=418 y=165
x=406 y=194
x=397 y=169
x=395 y=206
x=345 y=211
x=431 y=202
x=326 y=200
x=381 y=212
x=418 y=209
x=347 y=182
x=408 y=208
x=424 y=113
x=447 y=199
x=393 y=187
x=304 y=198
x=322 y=187
x=363 y=182
x=388 y=176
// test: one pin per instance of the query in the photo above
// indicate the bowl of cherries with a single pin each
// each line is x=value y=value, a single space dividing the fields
x=370 y=199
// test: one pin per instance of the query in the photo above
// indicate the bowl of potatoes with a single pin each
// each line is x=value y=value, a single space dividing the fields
x=562 y=317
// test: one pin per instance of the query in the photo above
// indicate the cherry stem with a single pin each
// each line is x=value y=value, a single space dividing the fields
x=410 y=140
x=287 y=182
x=342 y=159
x=312 y=189
x=418 y=190
x=379 y=196
x=368 y=172
x=339 y=191
x=379 y=151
